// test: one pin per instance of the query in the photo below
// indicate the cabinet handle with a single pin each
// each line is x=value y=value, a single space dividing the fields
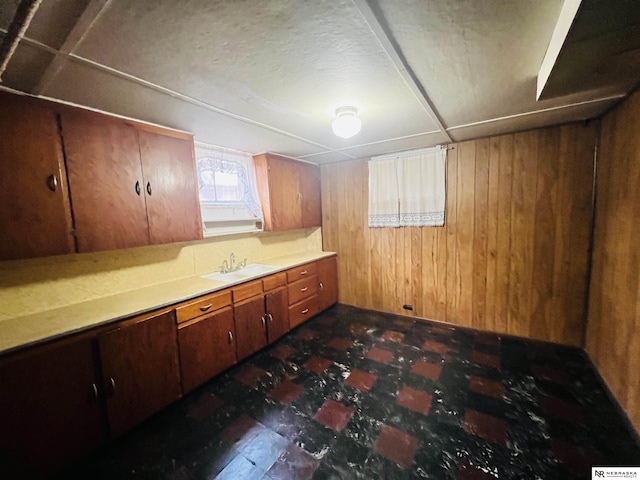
x=138 y=188
x=95 y=390
x=204 y=308
x=264 y=321
x=113 y=385
x=321 y=286
x=304 y=272
x=270 y=318
x=306 y=310
x=149 y=188
x=304 y=289
x=52 y=182
x=230 y=338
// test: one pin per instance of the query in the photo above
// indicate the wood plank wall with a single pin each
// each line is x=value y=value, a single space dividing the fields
x=613 y=334
x=513 y=255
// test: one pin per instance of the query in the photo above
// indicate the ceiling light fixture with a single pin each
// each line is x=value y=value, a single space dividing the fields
x=347 y=123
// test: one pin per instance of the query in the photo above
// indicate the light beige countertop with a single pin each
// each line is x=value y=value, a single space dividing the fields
x=19 y=332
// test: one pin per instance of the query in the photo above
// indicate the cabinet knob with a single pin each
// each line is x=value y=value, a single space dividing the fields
x=204 y=308
x=321 y=286
x=113 y=385
x=95 y=390
x=230 y=337
x=304 y=289
x=306 y=310
x=264 y=321
x=149 y=188
x=138 y=188
x=304 y=272
x=270 y=317
x=52 y=182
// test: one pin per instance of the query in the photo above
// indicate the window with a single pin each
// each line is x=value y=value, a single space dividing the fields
x=228 y=193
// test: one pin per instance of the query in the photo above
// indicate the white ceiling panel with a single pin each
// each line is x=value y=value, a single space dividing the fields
x=85 y=85
x=283 y=63
x=26 y=67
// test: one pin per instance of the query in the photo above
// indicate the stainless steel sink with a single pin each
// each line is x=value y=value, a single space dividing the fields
x=250 y=271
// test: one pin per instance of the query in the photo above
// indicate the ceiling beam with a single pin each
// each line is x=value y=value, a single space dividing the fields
x=377 y=24
x=89 y=16
x=21 y=20
x=563 y=25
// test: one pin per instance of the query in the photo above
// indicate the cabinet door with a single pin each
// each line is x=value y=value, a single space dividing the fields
x=171 y=188
x=251 y=331
x=327 y=282
x=309 y=184
x=49 y=410
x=284 y=192
x=207 y=347
x=277 y=306
x=140 y=369
x=35 y=216
x=105 y=181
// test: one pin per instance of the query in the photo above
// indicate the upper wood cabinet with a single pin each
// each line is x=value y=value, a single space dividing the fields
x=289 y=192
x=169 y=170
x=142 y=184
x=35 y=215
x=82 y=181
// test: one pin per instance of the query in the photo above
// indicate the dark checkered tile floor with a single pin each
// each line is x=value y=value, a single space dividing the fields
x=358 y=394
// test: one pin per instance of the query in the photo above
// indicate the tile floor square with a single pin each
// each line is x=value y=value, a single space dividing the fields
x=283 y=352
x=205 y=406
x=485 y=426
x=486 y=359
x=396 y=445
x=361 y=380
x=379 y=355
x=485 y=386
x=286 y=391
x=392 y=336
x=427 y=369
x=307 y=334
x=435 y=347
x=334 y=415
x=250 y=375
x=415 y=400
x=339 y=343
x=317 y=364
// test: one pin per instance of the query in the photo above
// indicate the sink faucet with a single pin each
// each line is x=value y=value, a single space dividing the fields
x=228 y=266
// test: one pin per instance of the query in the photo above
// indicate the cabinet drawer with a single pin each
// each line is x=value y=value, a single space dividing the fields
x=302 y=271
x=203 y=305
x=274 y=281
x=302 y=311
x=303 y=289
x=247 y=290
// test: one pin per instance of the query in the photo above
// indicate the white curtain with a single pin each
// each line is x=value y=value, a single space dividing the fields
x=421 y=186
x=383 y=193
x=408 y=189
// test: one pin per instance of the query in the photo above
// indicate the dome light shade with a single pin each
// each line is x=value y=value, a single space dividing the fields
x=347 y=123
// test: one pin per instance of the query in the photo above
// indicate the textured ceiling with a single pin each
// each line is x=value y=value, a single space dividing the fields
x=266 y=75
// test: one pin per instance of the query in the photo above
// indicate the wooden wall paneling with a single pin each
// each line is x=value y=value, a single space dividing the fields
x=452 y=276
x=581 y=225
x=503 y=255
x=522 y=230
x=464 y=234
x=480 y=234
x=504 y=195
x=542 y=290
x=613 y=328
x=493 y=196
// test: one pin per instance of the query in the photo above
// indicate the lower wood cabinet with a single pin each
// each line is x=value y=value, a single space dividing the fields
x=251 y=326
x=276 y=307
x=50 y=411
x=207 y=347
x=327 y=269
x=140 y=370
